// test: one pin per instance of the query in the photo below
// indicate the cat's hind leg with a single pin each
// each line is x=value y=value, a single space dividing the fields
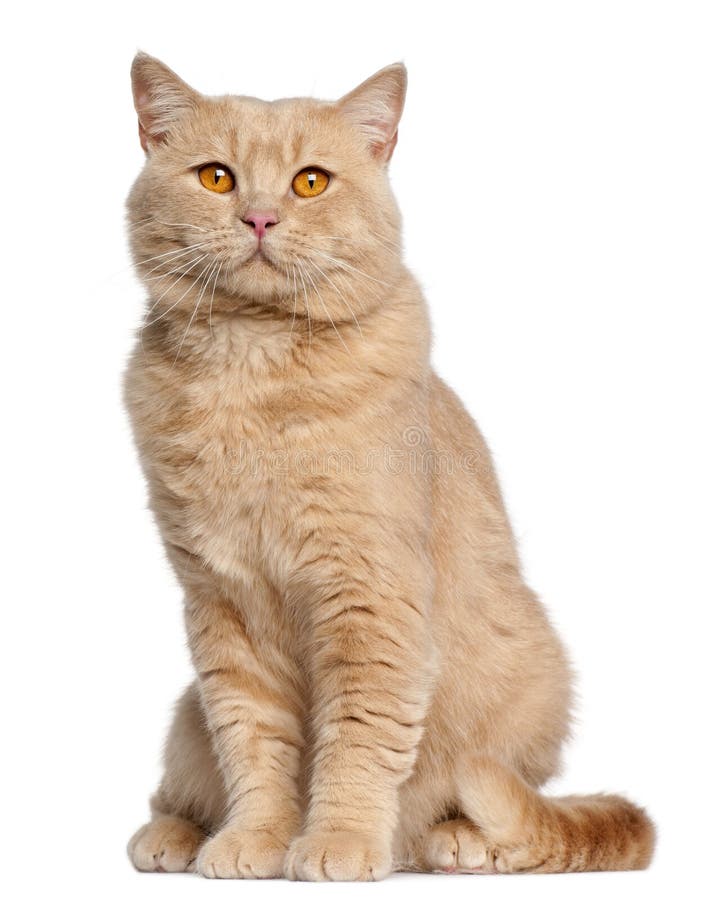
x=526 y=831
x=455 y=845
x=166 y=844
x=190 y=801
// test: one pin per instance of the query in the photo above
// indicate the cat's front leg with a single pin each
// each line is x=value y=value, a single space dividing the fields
x=371 y=672
x=251 y=699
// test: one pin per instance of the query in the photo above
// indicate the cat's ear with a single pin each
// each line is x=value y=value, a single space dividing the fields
x=160 y=98
x=375 y=107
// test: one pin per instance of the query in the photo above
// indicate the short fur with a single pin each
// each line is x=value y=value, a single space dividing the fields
x=376 y=687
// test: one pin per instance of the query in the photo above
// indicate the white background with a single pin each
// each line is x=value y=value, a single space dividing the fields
x=555 y=171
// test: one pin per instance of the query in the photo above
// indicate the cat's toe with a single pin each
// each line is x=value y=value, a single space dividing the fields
x=234 y=853
x=338 y=856
x=456 y=845
x=166 y=844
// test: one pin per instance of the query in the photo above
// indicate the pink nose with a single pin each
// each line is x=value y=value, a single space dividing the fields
x=261 y=220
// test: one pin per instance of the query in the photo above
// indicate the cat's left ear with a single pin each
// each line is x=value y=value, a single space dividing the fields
x=160 y=99
x=375 y=107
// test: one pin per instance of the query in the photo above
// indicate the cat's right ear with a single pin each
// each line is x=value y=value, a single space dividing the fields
x=160 y=98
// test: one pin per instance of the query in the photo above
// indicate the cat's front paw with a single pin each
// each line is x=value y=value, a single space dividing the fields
x=338 y=856
x=233 y=853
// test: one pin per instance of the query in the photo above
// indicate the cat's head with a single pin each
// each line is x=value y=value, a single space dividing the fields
x=283 y=203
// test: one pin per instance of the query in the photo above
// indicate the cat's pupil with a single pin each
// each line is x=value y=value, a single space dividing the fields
x=311 y=179
x=217 y=175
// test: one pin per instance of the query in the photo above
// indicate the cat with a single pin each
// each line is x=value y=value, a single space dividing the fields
x=376 y=688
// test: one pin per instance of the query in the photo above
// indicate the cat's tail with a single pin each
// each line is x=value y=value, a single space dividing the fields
x=526 y=831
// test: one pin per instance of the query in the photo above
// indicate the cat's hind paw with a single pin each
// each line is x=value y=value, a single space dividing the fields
x=166 y=844
x=456 y=845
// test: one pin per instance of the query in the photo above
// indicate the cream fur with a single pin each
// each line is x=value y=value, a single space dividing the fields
x=376 y=687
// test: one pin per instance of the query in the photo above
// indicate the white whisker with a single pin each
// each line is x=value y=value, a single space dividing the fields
x=134 y=265
x=171 y=254
x=292 y=324
x=307 y=306
x=181 y=267
x=353 y=290
x=205 y=281
x=143 y=223
x=343 y=264
x=184 y=273
x=174 y=305
x=213 y=294
x=327 y=311
x=339 y=292
x=139 y=222
x=386 y=243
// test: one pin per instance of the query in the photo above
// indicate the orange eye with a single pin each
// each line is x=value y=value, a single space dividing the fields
x=310 y=182
x=217 y=178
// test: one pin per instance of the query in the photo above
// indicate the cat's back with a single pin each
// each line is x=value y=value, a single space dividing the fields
x=465 y=476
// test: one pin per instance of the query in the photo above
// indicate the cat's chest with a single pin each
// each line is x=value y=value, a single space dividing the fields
x=213 y=446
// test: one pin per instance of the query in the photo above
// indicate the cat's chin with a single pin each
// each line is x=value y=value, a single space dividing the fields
x=257 y=280
x=258 y=264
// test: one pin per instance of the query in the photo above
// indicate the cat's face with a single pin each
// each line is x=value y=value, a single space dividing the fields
x=284 y=204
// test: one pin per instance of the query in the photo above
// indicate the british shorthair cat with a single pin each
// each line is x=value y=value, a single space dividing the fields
x=376 y=688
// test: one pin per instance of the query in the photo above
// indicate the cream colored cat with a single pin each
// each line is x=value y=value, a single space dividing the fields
x=376 y=688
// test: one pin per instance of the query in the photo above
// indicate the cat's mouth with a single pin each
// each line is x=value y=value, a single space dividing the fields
x=260 y=257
